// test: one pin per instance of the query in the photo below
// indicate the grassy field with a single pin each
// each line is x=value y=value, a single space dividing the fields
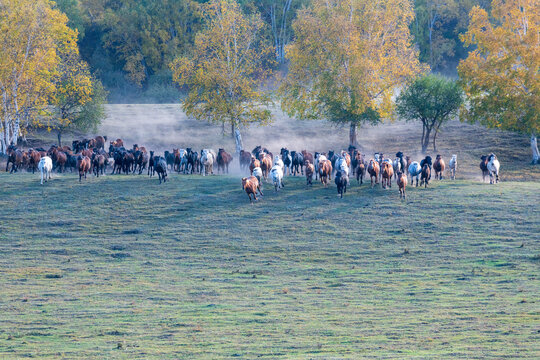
x=122 y=268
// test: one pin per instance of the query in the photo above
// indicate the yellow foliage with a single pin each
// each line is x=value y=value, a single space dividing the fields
x=33 y=38
x=348 y=57
x=502 y=76
x=230 y=59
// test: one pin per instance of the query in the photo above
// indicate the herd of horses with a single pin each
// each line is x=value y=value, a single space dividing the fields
x=263 y=164
x=91 y=156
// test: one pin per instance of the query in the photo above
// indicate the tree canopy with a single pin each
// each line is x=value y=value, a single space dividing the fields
x=230 y=59
x=502 y=76
x=432 y=100
x=40 y=67
x=347 y=59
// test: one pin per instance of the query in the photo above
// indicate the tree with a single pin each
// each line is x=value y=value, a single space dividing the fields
x=32 y=34
x=501 y=78
x=347 y=59
x=78 y=98
x=280 y=15
x=230 y=59
x=433 y=100
x=144 y=36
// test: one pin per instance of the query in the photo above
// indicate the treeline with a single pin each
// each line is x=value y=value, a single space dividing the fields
x=130 y=44
x=339 y=60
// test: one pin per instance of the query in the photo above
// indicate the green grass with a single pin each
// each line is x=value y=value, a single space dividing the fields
x=121 y=267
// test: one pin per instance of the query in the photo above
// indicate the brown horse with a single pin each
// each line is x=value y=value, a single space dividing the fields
x=439 y=167
x=83 y=165
x=266 y=164
x=373 y=171
x=223 y=160
x=15 y=157
x=307 y=157
x=245 y=159
x=425 y=175
x=402 y=183
x=177 y=160
x=34 y=158
x=100 y=141
x=310 y=170
x=387 y=173
x=360 y=169
x=98 y=164
x=254 y=164
x=325 y=171
x=251 y=186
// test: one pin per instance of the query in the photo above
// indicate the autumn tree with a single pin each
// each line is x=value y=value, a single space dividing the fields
x=502 y=76
x=347 y=59
x=230 y=59
x=78 y=98
x=31 y=34
x=432 y=100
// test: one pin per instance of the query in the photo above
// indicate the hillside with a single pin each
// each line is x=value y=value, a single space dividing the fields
x=162 y=127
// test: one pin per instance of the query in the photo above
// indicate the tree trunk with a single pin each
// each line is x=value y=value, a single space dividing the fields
x=223 y=129
x=534 y=148
x=233 y=132
x=425 y=144
x=238 y=140
x=423 y=134
x=352 y=134
x=15 y=134
x=59 y=138
x=5 y=138
x=435 y=139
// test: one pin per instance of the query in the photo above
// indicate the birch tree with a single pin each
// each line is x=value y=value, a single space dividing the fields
x=231 y=58
x=32 y=34
x=502 y=76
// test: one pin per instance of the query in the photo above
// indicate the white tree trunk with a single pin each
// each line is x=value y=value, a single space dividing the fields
x=16 y=130
x=238 y=140
x=3 y=146
x=534 y=148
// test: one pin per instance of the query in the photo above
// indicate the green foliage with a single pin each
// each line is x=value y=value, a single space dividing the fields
x=93 y=111
x=436 y=30
x=145 y=36
x=432 y=100
x=74 y=12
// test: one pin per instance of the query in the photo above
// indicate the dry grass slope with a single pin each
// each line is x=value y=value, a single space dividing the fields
x=163 y=127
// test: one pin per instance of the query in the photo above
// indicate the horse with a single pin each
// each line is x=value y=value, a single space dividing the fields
x=45 y=168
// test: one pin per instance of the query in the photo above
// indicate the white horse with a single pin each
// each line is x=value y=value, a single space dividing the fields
x=414 y=170
x=493 y=166
x=257 y=172
x=279 y=162
x=341 y=165
x=45 y=167
x=452 y=165
x=207 y=161
x=277 y=176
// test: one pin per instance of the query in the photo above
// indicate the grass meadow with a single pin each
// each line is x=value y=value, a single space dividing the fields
x=121 y=267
